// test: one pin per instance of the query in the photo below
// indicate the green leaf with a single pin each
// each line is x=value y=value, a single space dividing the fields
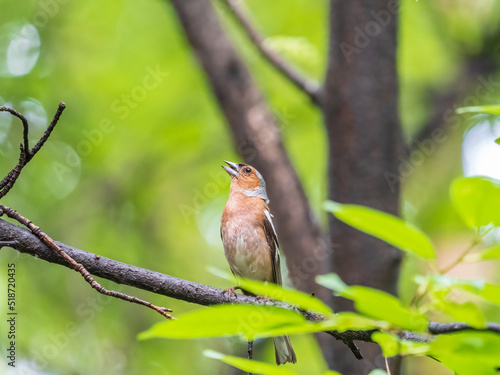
x=381 y=305
x=332 y=281
x=392 y=345
x=466 y=312
x=229 y=320
x=378 y=371
x=490 y=253
x=445 y=282
x=489 y=292
x=414 y=348
x=337 y=322
x=388 y=342
x=497 y=141
x=376 y=304
x=478 y=287
x=252 y=321
x=477 y=200
x=468 y=353
x=248 y=365
x=349 y=321
x=490 y=109
x=278 y=293
x=288 y=295
x=384 y=226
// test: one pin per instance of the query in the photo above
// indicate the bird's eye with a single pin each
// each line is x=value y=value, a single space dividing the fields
x=248 y=170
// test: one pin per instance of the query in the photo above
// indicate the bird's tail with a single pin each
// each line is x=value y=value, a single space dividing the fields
x=283 y=350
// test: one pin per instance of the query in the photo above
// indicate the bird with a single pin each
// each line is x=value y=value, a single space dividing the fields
x=250 y=240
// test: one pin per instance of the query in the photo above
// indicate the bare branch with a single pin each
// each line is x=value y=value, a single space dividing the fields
x=155 y=282
x=26 y=154
x=47 y=132
x=443 y=328
x=305 y=85
x=71 y=263
x=349 y=342
x=25 y=147
x=121 y=273
x=8 y=181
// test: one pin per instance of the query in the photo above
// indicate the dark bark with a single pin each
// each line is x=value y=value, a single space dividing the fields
x=257 y=140
x=361 y=114
x=121 y=273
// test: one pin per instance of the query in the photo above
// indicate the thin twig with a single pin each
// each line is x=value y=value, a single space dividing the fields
x=473 y=244
x=23 y=119
x=452 y=265
x=26 y=154
x=311 y=90
x=349 y=343
x=8 y=181
x=78 y=266
x=387 y=368
x=47 y=132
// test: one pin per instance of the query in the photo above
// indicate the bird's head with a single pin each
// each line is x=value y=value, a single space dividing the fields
x=247 y=180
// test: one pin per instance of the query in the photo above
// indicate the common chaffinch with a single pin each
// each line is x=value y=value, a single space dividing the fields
x=249 y=238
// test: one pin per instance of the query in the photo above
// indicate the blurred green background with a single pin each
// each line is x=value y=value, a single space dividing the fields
x=132 y=171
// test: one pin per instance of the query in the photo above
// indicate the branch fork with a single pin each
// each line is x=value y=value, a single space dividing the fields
x=26 y=154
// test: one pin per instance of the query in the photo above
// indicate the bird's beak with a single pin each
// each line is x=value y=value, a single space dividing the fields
x=232 y=169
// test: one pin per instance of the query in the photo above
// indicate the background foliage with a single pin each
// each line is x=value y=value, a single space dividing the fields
x=132 y=172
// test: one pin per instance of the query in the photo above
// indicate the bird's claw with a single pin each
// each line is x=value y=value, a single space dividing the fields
x=231 y=292
x=264 y=299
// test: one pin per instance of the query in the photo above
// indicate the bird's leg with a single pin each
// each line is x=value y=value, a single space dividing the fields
x=231 y=292
x=264 y=299
x=250 y=349
x=250 y=352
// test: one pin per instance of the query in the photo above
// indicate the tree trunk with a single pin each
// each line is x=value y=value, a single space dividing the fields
x=258 y=141
x=361 y=113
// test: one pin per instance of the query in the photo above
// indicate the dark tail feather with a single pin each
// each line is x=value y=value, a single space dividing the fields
x=283 y=350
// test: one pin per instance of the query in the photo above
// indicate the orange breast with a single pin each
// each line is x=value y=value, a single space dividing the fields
x=245 y=243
